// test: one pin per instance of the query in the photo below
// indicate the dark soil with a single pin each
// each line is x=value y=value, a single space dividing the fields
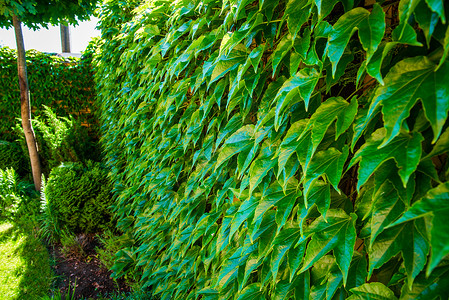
x=85 y=270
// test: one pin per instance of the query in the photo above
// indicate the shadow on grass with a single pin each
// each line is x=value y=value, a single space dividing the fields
x=26 y=261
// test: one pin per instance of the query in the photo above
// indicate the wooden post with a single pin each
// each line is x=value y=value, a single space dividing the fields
x=65 y=38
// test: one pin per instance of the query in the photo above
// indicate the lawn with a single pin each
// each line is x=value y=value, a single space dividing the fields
x=24 y=263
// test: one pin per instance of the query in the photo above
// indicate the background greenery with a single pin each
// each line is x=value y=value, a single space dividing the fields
x=64 y=84
x=279 y=149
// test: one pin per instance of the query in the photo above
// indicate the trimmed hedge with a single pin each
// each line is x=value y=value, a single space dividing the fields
x=262 y=150
x=78 y=198
x=64 y=84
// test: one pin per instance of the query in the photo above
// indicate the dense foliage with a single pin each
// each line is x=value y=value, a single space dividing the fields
x=77 y=198
x=279 y=149
x=43 y=12
x=12 y=156
x=17 y=197
x=60 y=139
x=64 y=84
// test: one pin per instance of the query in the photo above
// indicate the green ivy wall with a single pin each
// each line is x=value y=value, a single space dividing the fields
x=64 y=84
x=279 y=149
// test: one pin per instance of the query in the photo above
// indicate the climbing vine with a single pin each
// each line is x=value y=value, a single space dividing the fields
x=279 y=149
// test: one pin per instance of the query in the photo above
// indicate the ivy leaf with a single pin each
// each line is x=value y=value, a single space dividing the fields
x=387 y=207
x=289 y=143
x=324 y=7
x=262 y=165
x=335 y=108
x=295 y=256
x=373 y=290
x=281 y=50
x=427 y=20
x=433 y=286
x=241 y=140
x=370 y=26
x=274 y=196
x=297 y=12
x=337 y=234
x=409 y=80
x=357 y=271
x=445 y=48
x=438 y=7
x=302 y=84
x=229 y=62
x=434 y=204
x=410 y=239
x=252 y=292
x=441 y=146
x=406 y=9
x=405 y=149
x=245 y=212
x=319 y=196
x=282 y=244
x=329 y=162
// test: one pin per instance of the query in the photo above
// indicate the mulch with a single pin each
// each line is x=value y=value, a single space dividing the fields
x=84 y=273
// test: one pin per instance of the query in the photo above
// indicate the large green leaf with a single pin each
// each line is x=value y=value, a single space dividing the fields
x=386 y=208
x=441 y=146
x=290 y=143
x=410 y=239
x=357 y=271
x=262 y=165
x=330 y=163
x=370 y=26
x=274 y=197
x=434 y=204
x=438 y=7
x=242 y=139
x=372 y=291
x=301 y=84
x=410 y=80
x=281 y=51
x=337 y=234
x=371 y=157
x=227 y=63
x=433 y=286
x=252 y=292
x=297 y=12
x=335 y=108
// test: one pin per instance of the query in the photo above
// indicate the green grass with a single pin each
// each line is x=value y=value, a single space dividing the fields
x=24 y=262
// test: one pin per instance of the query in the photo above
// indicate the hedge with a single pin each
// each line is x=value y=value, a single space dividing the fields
x=279 y=149
x=64 y=84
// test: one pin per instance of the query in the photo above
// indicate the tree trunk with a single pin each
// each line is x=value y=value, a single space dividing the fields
x=25 y=107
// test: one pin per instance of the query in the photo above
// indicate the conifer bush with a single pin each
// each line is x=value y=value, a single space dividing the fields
x=285 y=149
x=77 y=198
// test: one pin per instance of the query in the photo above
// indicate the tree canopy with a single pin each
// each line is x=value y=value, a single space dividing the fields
x=35 y=13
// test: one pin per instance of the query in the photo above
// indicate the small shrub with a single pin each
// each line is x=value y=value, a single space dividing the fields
x=77 y=197
x=12 y=156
